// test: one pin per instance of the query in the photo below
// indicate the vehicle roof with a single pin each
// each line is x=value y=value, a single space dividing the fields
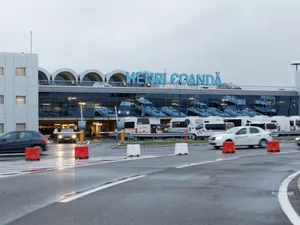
x=248 y=127
x=125 y=103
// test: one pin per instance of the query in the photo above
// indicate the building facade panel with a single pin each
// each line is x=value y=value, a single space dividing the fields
x=16 y=83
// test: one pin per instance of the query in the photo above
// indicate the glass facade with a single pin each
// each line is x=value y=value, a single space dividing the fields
x=61 y=104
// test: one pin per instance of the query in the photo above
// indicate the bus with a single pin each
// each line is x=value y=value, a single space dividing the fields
x=199 y=127
x=135 y=125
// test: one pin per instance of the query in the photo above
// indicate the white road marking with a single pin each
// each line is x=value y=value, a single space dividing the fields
x=231 y=158
x=9 y=169
x=68 y=199
x=195 y=164
x=284 y=200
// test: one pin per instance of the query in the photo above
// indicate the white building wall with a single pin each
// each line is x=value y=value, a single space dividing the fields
x=12 y=85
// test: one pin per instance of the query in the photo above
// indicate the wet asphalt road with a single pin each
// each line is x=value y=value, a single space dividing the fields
x=237 y=191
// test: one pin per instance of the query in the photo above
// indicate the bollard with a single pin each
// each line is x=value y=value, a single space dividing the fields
x=273 y=146
x=32 y=154
x=122 y=136
x=133 y=150
x=228 y=147
x=116 y=132
x=186 y=137
x=82 y=152
x=81 y=136
x=181 y=149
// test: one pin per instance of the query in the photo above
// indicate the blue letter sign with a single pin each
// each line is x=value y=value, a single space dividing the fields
x=183 y=79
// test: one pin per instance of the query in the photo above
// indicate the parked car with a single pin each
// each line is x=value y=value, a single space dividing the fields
x=242 y=136
x=67 y=135
x=17 y=141
x=297 y=139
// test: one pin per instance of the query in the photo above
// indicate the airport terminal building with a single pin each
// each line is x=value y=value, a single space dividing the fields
x=34 y=98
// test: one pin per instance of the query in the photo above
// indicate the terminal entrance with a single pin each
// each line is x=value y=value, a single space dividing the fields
x=95 y=129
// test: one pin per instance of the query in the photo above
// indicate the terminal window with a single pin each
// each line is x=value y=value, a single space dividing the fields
x=20 y=100
x=20 y=71
x=21 y=126
x=1 y=71
x=1 y=128
x=1 y=99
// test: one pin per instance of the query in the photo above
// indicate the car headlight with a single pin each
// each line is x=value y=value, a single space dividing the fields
x=127 y=113
x=60 y=136
x=119 y=111
x=297 y=139
x=218 y=138
x=74 y=136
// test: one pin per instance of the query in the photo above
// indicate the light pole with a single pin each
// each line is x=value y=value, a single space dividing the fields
x=295 y=63
x=81 y=113
x=82 y=124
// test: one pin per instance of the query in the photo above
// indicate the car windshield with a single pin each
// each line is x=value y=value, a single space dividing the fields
x=232 y=130
x=124 y=107
x=67 y=130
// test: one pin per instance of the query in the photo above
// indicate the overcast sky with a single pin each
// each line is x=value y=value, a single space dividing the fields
x=249 y=42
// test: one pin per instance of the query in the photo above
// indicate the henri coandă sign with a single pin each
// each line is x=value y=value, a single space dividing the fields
x=183 y=79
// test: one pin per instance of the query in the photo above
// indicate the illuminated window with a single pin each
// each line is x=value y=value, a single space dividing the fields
x=20 y=100
x=20 y=71
x=1 y=99
x=1 y=71
x=1 y=128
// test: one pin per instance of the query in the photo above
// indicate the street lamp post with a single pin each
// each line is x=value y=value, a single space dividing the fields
x=82 y=123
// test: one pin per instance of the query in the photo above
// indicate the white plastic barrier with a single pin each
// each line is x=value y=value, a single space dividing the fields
x=181 y=149
x=133 y=150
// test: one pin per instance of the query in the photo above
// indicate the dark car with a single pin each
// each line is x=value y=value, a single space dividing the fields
x=67 y=135
x=297 y=139
x=17 y=141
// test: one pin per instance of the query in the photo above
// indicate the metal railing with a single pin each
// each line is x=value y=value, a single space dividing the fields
x=286 y=133
x=158 y=135
x=97 y=84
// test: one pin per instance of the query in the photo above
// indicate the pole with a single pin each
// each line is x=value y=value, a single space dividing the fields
x=116 y=112
x=81 y=114
x=30 y=42
x=117 y=133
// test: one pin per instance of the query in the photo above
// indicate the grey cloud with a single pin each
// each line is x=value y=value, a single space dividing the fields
x=249 y=42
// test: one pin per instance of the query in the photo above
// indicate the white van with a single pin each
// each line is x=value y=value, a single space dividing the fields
x=267 y=126
x=135 y=125
x=238 y=121
x=294 y=122
x=284 y=123
x=199 y=127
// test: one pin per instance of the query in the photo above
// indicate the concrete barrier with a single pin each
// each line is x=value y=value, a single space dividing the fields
x=82 y=152
x=181 y=149
x=32 y=154
x=133 y=150
x=228 y=147
x=273 y=146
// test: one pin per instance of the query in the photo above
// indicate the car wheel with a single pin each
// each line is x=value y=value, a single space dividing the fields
x=263 y=143
x=250 y=146
x=217 y=147
x=194 y=137
x=228 y=140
